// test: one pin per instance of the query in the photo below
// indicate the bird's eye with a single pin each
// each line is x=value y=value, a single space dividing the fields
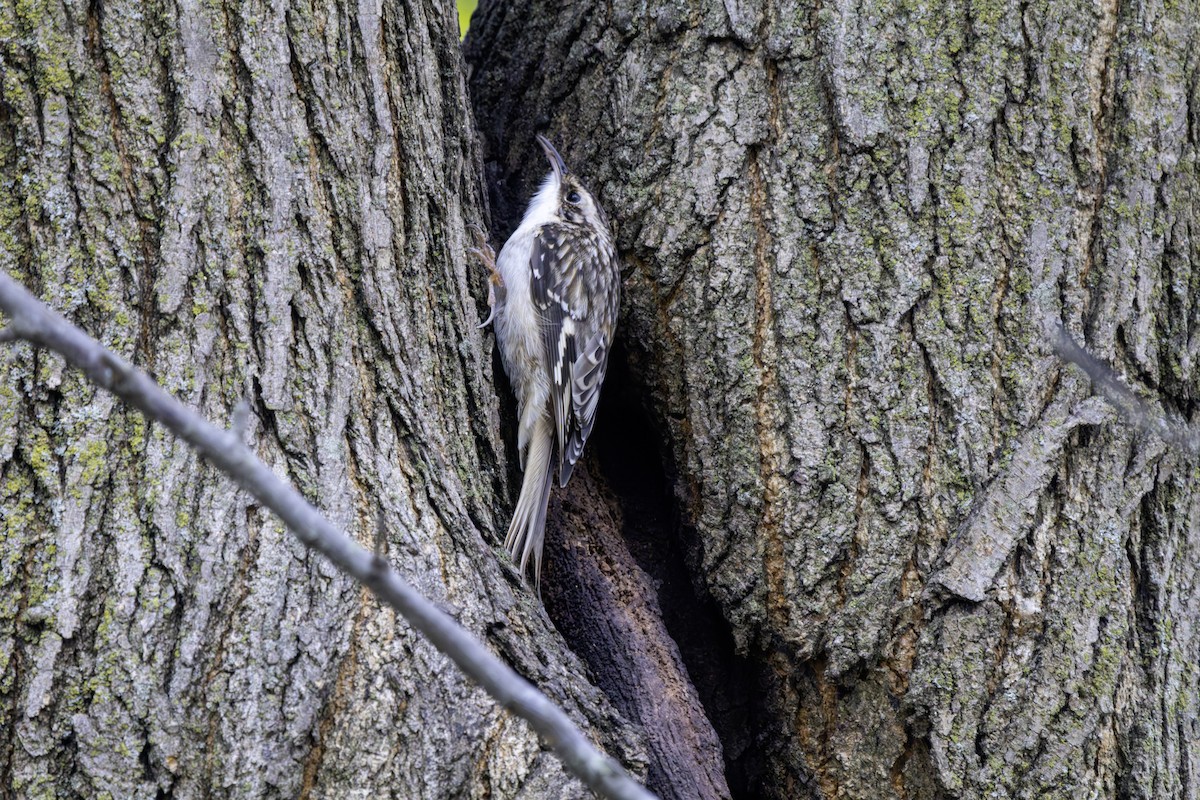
x=573 y=197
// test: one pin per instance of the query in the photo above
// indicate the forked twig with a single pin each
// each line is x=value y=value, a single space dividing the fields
x=1133 y=409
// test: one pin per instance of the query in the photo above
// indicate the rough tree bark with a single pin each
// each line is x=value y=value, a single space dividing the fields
x=951 y=572
x=270 y=201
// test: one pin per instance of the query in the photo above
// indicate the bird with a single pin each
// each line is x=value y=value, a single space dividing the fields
x=554 y=293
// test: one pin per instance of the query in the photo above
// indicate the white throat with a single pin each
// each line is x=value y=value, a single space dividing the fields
x=543 y=205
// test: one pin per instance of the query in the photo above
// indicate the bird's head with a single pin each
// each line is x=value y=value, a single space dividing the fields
x=573 y=203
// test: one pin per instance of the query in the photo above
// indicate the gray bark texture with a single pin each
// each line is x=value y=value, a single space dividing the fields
x=947 y=569
x=267 y=201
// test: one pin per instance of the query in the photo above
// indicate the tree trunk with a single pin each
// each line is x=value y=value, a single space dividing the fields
x=946 y=569
x=266 y=202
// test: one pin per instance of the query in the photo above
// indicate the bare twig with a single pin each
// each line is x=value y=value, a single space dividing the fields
x=32 y=321
x=379 y=561
x=1174 y=432
x=241 y=417
x=241 y=413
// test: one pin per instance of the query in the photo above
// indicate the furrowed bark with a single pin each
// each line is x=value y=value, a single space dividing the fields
x=849 y=232
x=33 y=322
x=267 y=201
x=606 y=606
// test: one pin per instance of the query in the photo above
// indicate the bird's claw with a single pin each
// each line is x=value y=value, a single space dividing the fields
x=482 y=250
x=487 y=256
x=491 y=306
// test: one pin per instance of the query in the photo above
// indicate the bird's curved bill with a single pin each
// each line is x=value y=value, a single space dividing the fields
x=556 y=162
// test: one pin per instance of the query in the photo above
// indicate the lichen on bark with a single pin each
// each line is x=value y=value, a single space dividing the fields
x=847 y=229
x=268 y=202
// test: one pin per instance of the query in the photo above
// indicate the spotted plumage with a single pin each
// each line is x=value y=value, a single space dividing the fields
x=555 y=314
x=573 y=287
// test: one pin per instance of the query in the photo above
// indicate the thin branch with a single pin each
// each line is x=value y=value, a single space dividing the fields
x=32 y=321
x=1174 y=432
x=241 y=414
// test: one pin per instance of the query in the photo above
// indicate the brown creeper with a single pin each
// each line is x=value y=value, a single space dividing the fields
x=554 y=294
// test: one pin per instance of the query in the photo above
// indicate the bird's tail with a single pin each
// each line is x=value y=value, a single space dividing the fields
x=528 y=527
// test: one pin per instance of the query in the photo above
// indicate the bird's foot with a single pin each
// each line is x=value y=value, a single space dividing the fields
x=487 y=256
x=491 y=317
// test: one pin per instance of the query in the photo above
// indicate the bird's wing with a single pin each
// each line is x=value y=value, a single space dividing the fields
x=574 y=284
